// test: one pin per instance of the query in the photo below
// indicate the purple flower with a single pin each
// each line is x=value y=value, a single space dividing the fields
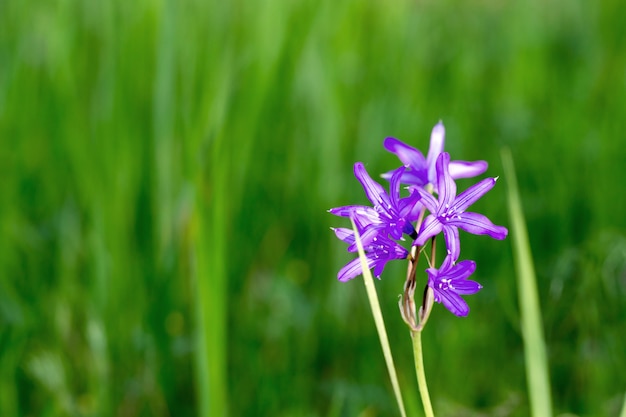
x=378 y=252
x=422 y=170
x=390 y=216
x=448 y=213
x=450 y=281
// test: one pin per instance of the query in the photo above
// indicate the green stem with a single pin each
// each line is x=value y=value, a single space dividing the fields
x=378 y=319
x=538 y=379
x=421 y=375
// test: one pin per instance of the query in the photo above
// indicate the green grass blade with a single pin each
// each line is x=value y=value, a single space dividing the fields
x=207 y=236
x=378 y=319
x=623 y=413
x=532 y=329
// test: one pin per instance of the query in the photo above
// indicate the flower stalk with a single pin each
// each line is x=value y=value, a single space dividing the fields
x=416 y=337
x=378 y=320
x=417 y=323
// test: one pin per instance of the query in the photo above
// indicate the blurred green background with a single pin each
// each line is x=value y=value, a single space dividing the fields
x=165 y=171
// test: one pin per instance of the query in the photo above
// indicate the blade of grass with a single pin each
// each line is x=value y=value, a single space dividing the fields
x=623 y=413
x=530 y=313
x=209 y=282
x=378 y=319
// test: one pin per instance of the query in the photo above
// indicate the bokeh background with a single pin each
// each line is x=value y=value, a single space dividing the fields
x=165 y=171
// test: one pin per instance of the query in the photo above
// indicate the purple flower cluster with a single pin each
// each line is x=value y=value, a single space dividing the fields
x=420 y=216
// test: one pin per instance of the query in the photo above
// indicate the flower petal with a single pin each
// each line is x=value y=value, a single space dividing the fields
x=461 y=271
x=463 y=169
x=379 y=266
x=431 y=227
x=408 y=155
x=355 y=211
x=352 y=269
x=374 y=191
x=453 y=242
x=467 y=287
x=394 y=185
x=416 y=212
x=478 y=224
x=369 y=235
x=437 y=141
x=347 y=235
x=446 y=187
x=453 y=302
x=408 y=177
x=409 y=209
x=427 y=199
x=450 y=281
x=473 y=193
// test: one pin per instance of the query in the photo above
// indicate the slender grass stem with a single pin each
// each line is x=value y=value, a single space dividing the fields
x=623 y=413
x=378 y=319
x=538 y=380
x=418 y=357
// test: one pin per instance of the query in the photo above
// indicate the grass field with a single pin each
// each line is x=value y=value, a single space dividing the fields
x=165 y=171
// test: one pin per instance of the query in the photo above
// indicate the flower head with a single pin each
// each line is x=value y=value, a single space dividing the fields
x=450 y=281
x=448 y=212
x=421 y=171
x=378 y=252
x=390 y=214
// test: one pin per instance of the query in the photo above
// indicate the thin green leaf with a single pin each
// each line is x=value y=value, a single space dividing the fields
x=530 y=312
x=378 y=319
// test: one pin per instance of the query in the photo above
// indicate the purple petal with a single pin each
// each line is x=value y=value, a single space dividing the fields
x=355 y=211
x=450 y=281
x=467 y=287
x=447 y=263
x=347 y=235
x=427 y=199
x=399 y=252
x=379 y=266
x=461 y=271
x=379 y=252
x=394 y=185
x=453 y=243
x=408 y=155
x=415 y=178
x=452 y=302
x=415 y=212
x=473 y=193
x=406 y=206
x=446 y=188
x=352 y=269
x=437 y=140
x=431 y=227
x=374 y=191
x=409 y=177
x=478 y=224
x=463 y=169
x=369 y=234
